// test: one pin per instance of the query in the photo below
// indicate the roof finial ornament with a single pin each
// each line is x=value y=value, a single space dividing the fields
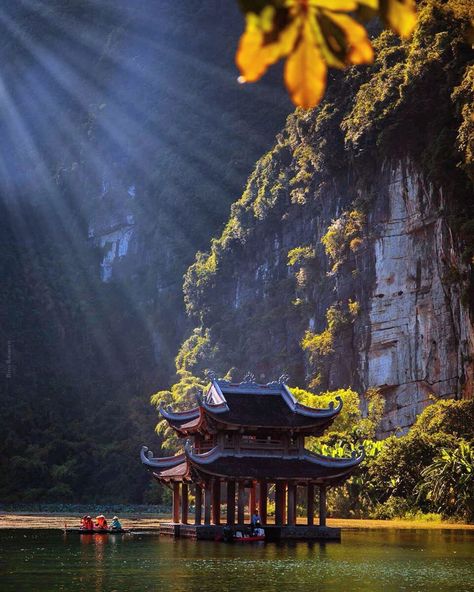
x=199 y=397
x=211 y=375
x=188 y=447
x=284 y=378
x=249 y=377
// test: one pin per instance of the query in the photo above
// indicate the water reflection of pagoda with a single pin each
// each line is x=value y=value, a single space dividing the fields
x=241 y=439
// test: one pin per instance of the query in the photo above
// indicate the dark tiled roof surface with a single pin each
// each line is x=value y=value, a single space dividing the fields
x=266 y=410
x=272 y=468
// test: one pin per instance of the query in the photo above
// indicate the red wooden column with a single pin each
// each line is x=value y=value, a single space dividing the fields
x=198 y=505
x=176 y=503
x=207 y=502
x=231 y=502
x=263 y=495
x=184 y=503
x=279 y=503
x=310 y=504
x=291 y=504
x=253 y=499
x=216 y=502
x=322 y=505
x=241 y=503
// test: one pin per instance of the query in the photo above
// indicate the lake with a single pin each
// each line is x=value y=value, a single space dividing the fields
x=366 y=560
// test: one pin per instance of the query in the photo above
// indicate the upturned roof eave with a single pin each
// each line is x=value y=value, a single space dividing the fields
x=206 y=470
x=186 y=415
x=329 y=462
x=166 y=462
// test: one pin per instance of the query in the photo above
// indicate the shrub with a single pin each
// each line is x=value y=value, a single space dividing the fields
x=350 y=414
x=451 y=417
x=301 y=255
x=319 y=345
x=343 y=235
x=449 y=481
x=396 y=470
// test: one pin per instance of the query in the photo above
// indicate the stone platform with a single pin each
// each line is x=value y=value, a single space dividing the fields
x=210 y=532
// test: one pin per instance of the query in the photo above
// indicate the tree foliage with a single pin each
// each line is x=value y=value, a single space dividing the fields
x=448 y=482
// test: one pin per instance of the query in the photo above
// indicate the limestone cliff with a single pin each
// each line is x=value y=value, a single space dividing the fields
x=348 y=259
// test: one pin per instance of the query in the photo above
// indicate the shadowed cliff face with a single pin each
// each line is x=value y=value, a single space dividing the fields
x=347 y=261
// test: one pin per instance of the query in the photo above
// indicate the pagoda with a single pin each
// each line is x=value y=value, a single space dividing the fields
x=240 y=439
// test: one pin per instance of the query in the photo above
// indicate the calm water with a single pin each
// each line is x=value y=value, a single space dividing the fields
x=368 y=561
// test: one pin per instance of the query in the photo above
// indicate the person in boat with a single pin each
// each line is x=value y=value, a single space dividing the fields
x=86 y=523
x=101 y=522
x=115 y=524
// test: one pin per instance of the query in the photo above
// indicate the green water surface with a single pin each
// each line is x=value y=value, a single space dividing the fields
x=369 y=561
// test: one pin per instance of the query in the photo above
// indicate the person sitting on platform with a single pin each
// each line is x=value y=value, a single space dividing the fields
x=115 y=524
x=86 y=523
x=256 y=521
x=101 y=522
x=83 y=522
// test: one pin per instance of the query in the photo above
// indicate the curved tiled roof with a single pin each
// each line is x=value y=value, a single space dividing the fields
x=252 y=405
x=251 y=465
x=167 y=468
x=260 y=465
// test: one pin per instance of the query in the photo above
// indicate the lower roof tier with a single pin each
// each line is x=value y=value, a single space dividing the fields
x=220 y=464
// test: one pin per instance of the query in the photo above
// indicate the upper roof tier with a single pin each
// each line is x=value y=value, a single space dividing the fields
x=227 y=405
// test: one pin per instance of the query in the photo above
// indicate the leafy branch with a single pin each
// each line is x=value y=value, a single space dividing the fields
x=313 y=35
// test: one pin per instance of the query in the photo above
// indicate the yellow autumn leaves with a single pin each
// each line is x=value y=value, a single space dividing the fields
x=313 y=35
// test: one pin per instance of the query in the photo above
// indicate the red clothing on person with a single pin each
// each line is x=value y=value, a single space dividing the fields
x=86 y=523
x=101 y=522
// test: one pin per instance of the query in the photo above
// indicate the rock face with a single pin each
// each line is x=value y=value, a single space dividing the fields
x=419 y=341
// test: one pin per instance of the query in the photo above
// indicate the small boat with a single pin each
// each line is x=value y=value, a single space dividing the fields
x=249 y=539
x=243 y=536
x=79 y=530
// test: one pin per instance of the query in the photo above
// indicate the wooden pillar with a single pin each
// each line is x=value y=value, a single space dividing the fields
x=279 y=503
x=322 y=505
x=263 y=501
x=198 y=505
x=184 y=503
x=253 y=499
x=241 y=503
x=295 y=504
x=310 y=504
x=207 y=502
x=283 y=503
x=216 y=502
x=231 y=502
x=176 y=503
x=291 y=504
